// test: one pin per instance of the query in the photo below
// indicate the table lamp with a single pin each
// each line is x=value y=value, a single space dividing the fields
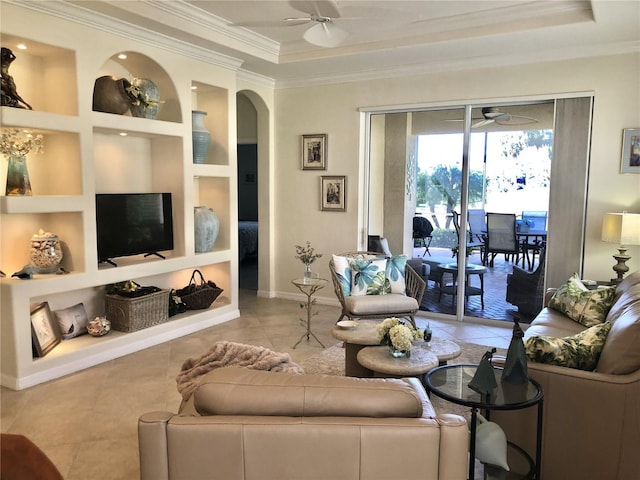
x=623 y=229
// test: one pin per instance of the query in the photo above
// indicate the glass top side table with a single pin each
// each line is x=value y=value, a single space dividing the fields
x=309 y=286
x=451 y=382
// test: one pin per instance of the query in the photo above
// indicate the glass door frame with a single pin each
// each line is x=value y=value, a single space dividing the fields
x=366 y=116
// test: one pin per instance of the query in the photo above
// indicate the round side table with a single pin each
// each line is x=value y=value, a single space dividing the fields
x=451 y=382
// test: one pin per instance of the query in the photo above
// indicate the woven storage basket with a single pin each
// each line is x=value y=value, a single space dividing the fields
x=131 y=314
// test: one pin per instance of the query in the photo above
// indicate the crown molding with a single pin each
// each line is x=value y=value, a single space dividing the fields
x=461 y=64
x=79 y=15
x=256 y=78
x=250 y=42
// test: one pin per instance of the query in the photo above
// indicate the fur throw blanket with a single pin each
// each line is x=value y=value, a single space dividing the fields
x=225 y=354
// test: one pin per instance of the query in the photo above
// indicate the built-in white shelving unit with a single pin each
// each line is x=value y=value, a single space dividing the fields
x=89 y=152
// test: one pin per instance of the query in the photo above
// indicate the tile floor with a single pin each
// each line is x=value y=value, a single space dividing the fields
x=87 y=422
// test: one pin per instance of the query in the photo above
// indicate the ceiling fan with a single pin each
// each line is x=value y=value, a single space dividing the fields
x=320 y=13
x=494 y=115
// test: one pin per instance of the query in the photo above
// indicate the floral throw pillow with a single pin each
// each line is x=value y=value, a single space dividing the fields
x=342 y=266
x=395 y=273
x=580 y=351
x=588 y=307
x=368 y=277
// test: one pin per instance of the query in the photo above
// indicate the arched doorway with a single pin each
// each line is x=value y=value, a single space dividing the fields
x=254 y=193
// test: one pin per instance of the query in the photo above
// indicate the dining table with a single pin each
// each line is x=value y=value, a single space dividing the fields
x=531 y=241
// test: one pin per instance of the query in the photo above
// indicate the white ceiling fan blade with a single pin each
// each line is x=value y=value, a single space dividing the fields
x=482 y=123
x=321 y=8
x=325 y=34
x=517 y=120
x=287 y=22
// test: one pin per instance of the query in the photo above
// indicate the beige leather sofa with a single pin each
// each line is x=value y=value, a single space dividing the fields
x=591 y=426
x=243 y=424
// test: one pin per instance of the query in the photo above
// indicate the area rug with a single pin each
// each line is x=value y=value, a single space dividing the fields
x=331 y=362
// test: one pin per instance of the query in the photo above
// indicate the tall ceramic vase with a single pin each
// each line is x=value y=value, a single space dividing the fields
x=207 y=226
x=18 y=182
x=201 y=136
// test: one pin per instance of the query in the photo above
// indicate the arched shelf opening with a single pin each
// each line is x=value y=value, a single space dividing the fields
x=132 y=65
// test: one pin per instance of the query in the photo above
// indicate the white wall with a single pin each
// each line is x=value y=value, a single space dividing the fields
x=334 y=110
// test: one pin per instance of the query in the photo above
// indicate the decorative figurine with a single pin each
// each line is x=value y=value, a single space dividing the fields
x=515 y=366
x=8 y=93
x=484 y=381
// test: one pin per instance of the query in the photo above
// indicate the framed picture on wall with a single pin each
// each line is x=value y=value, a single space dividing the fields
x=333 y=191
x=630 y=151
x=44 y=329
x=314 y=152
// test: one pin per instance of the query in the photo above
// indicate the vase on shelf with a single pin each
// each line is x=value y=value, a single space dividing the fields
x=397 y=353
x=207 y=226
x=145 y=104
x=18 y=182
x=46 y=252
x=200 y=136
x=110 y=95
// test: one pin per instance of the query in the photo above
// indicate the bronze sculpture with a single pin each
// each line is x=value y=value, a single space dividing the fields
x=8 y=93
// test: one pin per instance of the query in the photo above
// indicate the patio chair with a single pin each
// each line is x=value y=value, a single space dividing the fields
x=477 y=219
x=422 y=230
x=400 y=305
x=501 y=237
x=536 y=221
x=472 y=243
x=525 y=289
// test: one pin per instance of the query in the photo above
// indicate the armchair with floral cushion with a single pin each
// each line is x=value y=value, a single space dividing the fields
x=372 y=285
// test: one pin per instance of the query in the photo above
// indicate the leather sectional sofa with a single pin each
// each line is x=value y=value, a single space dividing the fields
x=243 y=424
x=591 y=420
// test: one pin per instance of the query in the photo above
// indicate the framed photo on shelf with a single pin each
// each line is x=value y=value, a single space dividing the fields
x=630 y=162
x=314 y=152
x=44 y=329
x=333 y=193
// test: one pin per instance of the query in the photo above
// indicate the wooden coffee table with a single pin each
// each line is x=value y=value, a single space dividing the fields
x=364 y=335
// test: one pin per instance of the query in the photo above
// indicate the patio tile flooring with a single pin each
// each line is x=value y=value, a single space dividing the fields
x=495 y=289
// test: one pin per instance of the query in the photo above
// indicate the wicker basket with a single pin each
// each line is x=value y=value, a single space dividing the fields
x=199 y=295
x=131 y=314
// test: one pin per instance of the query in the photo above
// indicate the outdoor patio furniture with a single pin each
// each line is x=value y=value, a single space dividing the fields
x=501 y=237
x=422 y=230
x=477 y=219
x=525 y=289
x=472 y=243
x=536 y=221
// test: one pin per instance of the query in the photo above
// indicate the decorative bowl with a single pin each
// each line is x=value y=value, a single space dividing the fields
x=347 y=324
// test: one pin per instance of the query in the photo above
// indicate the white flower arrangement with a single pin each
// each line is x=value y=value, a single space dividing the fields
x=392 y=331
x=17 y=143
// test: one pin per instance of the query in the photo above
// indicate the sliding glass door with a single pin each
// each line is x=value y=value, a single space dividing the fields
x=452 y=166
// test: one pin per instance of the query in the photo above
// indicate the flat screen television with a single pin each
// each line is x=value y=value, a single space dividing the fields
x=133 y=224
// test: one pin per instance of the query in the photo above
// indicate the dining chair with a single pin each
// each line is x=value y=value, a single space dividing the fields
x=473 y=243
x=501 y=237
x=532 y=245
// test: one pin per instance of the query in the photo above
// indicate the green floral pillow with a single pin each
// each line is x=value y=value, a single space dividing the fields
x=588 y=307
x=368 y=277
x=580 y=351
x=396 y=266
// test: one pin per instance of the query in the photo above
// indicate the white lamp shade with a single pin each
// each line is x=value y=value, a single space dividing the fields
x=325 y=34
x=621 y=228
